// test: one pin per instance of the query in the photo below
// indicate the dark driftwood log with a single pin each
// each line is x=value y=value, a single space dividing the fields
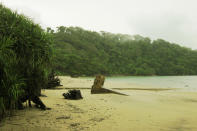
x=34 y=98
x=73 y=95
x=53 y=81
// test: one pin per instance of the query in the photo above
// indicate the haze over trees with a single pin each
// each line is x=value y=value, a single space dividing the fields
x=82 y=52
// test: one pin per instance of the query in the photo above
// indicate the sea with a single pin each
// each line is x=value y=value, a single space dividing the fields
x=188 y=83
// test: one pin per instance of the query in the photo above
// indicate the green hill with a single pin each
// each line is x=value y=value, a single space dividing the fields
x=82 y=52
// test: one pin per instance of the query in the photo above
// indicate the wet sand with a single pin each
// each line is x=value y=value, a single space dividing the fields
x=145 y=109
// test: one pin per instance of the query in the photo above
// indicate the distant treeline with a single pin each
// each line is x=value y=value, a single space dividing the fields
x=25 y=56
x=82 y=52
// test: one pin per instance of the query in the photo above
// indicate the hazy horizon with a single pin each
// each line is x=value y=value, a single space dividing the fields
x=173 y=21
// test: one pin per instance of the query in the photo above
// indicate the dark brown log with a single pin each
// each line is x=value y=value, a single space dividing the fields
x=34 y=98
x=73 y=95
x=53 y=81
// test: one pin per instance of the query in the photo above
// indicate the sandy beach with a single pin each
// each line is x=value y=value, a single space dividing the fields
x=144 y=109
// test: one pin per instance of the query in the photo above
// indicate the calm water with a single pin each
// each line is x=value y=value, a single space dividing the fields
x=183 y=82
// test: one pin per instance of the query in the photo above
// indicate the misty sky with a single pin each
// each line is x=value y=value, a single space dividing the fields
x=172 y=20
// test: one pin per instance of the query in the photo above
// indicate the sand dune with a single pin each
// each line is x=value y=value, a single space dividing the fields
x=142 y=110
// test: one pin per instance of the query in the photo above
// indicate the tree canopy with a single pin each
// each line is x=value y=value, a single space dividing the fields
x=82 y=52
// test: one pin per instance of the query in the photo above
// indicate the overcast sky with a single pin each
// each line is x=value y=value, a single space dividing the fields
x=172 y=20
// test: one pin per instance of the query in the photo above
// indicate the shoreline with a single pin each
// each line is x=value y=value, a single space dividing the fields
x=142 y=110
x=120 y=75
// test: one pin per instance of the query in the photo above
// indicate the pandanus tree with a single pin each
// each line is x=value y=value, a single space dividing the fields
x=10 y=82
x=25 y=56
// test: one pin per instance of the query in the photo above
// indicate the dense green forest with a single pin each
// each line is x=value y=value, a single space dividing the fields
x=25 y=56
x=82 y=52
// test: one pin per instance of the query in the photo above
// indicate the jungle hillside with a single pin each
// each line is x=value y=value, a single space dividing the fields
x=80 y=52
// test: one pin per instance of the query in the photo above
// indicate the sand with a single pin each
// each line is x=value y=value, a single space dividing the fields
x=142 y=110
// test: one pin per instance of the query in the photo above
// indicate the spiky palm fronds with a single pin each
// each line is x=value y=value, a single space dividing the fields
x=10 y=83
x=24 y=57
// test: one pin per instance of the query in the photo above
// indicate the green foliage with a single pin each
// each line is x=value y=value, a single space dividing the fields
x=25 y=56
x=81 y=52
